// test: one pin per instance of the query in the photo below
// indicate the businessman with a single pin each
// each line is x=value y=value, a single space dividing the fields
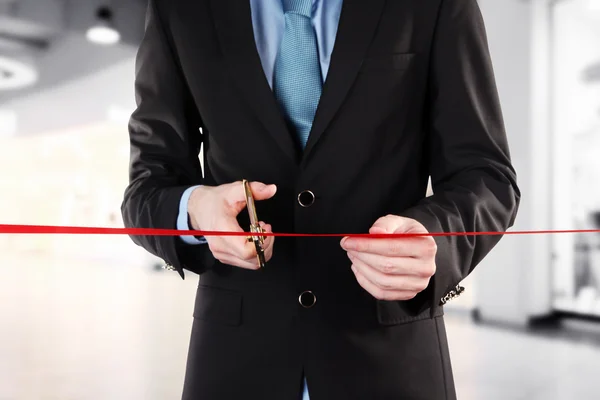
x=338 y=112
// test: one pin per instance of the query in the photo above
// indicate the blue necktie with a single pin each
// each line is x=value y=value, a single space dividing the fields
x=297 y=76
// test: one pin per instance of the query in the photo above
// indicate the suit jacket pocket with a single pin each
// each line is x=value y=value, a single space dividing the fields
x=401 y=312
x=389 y=62
x=218 y=305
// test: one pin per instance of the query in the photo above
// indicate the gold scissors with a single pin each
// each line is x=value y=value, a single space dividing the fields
x=255 y=227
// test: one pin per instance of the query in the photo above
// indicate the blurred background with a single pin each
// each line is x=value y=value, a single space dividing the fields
x=98 y=318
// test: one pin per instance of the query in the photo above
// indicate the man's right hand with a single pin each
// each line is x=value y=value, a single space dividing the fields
x=215 y=208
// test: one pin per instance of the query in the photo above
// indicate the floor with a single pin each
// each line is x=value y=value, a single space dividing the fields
x=93 y=330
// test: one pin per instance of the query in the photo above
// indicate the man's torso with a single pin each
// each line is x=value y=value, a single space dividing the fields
x=365 y=158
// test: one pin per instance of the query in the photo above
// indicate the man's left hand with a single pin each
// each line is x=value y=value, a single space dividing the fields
x=394 y=268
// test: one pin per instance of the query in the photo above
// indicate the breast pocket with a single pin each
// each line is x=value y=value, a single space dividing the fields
x=388 y=62
x=218 y=305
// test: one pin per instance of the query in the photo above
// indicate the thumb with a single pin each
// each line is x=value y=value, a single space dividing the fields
x=383 y=225
x=236 y=195
x=409 y=225
x=396 y=224
x=260 y=191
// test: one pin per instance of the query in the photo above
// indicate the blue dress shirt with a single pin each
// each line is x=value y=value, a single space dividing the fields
x=269 y=24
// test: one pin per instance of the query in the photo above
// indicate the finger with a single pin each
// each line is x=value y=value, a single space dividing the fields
x=394 y=247
x=390 y=282
x=246 y=250
x=381 y=226
x=389 y=265
x=378 y=293
x=236 y=262
x=269 y=241
x=233 y=248
x=237 y=246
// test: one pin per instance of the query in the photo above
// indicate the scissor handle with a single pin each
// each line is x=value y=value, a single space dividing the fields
x=254 y=227
x=258 y=243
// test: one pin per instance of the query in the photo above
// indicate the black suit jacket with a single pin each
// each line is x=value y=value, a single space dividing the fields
x=410 y=93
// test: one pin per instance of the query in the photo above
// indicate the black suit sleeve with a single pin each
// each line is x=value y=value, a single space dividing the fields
x=165 y=143
x=473 y=181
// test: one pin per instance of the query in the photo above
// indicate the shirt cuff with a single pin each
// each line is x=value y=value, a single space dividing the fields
x=182 y=219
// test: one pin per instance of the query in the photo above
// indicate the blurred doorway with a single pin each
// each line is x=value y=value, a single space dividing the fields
x=576 y=154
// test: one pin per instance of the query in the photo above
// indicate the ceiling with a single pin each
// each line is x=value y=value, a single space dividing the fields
x=49 y=35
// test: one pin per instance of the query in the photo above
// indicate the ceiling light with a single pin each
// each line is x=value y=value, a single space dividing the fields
x=103 y=33
x=17 y=71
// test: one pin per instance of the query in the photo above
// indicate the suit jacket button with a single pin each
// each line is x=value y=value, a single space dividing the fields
x=306 y=198
x=307 y=299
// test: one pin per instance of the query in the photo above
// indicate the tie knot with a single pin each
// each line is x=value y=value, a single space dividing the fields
x=302 y=7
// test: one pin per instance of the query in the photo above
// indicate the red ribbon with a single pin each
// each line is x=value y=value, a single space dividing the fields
x=78 y=230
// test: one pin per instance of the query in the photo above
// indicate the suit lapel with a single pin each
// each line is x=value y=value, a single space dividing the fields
x=233 y=22
x=358 y=22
